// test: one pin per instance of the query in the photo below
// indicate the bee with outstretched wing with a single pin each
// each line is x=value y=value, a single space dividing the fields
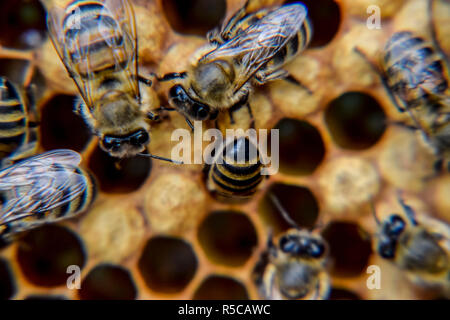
x=43 y=189
x=251 y=49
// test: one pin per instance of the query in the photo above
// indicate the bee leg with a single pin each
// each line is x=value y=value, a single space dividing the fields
x=222 y=34
x=152 y=116
x=268 y=280
x=252 y=119
x=30 y=92
x=190 y=124
x=323 y=286
x=172 y=76
x=383 y=78
x=144 y=80
x=408 y=210
x=291 y=79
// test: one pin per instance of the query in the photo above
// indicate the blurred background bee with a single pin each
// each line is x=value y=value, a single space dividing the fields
x=420 y=249
x=296 y=267
x=97 y=42
x=236 y=170
x=18 y=126
x=250 y=49
x=46 y=188
x=414 y=72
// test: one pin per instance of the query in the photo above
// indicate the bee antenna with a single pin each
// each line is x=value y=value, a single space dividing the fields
x=408 y=210
x=374 y=212
x=283 y=212
x=159 y=158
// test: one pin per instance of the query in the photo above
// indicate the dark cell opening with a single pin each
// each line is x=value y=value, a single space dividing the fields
x=298 y=202
x=7 y=285
x=14 y=70
x=301 y=147
x=45 y=297
x=108 y=282
x=194 y=17
x=325 y=18
x=227 y=237
x=61 y=127
x=355 y=120
x=167 y=264
x=343 y=294
x=217 y=287
x=45 y=253
x=119 y=175
x=350 y=248
x=22 y=23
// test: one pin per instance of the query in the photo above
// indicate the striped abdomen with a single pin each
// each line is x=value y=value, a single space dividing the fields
x=233 y=178
x=67 y=210
x=296 y=45
x=93 y=38
x=14 y=130
x=414 y=71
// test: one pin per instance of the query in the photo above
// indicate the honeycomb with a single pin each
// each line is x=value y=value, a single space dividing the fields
x=154 y=231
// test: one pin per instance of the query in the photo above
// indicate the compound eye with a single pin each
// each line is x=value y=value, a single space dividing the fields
x=178 y=93
x=396 y=225
x=201 y=112
x=386 y=250
x=140 y=138
x=288 y=245
x=111 y=143
x=316 y=249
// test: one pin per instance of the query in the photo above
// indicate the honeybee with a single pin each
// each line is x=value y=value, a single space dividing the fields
x=296 y=267
x=420 y=249
x=18 y=131
x=97 y=42
x=45 y=188
x=250 y=49
x=235 y=172
x=413 y=72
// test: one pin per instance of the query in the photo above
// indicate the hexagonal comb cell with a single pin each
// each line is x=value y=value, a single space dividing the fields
x=14 y=69
x=325 y=18
x=188 y=16
x=301 y=147
x=298 y=202
x=45 y=253
x=61 y=127
x=108 y=282
x=119 y=175
x=356 y=120
x=160 y=264
x=25 y=22
x=227 y=237
x=7 y=285
x=350 y=248
x=217 y=287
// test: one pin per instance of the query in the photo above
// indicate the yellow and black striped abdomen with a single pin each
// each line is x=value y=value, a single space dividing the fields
x=414 y=70
x=297 y=44
x=68 y=210
x=96 y=46
x=80 y=203
x=237 y=173
x=13 y=119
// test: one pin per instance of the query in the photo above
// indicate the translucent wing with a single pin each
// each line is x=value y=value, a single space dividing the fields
x=260 y=42
x=94 y=36
x=40 y=183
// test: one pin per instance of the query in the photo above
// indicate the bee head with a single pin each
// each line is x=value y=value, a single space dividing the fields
x=302 y=246
x=123 y=146
x=189 y=107
x=391 y=230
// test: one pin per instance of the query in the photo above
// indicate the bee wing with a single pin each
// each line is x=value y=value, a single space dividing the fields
x=260 y=42
x=75 y=38
x=40 y=183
